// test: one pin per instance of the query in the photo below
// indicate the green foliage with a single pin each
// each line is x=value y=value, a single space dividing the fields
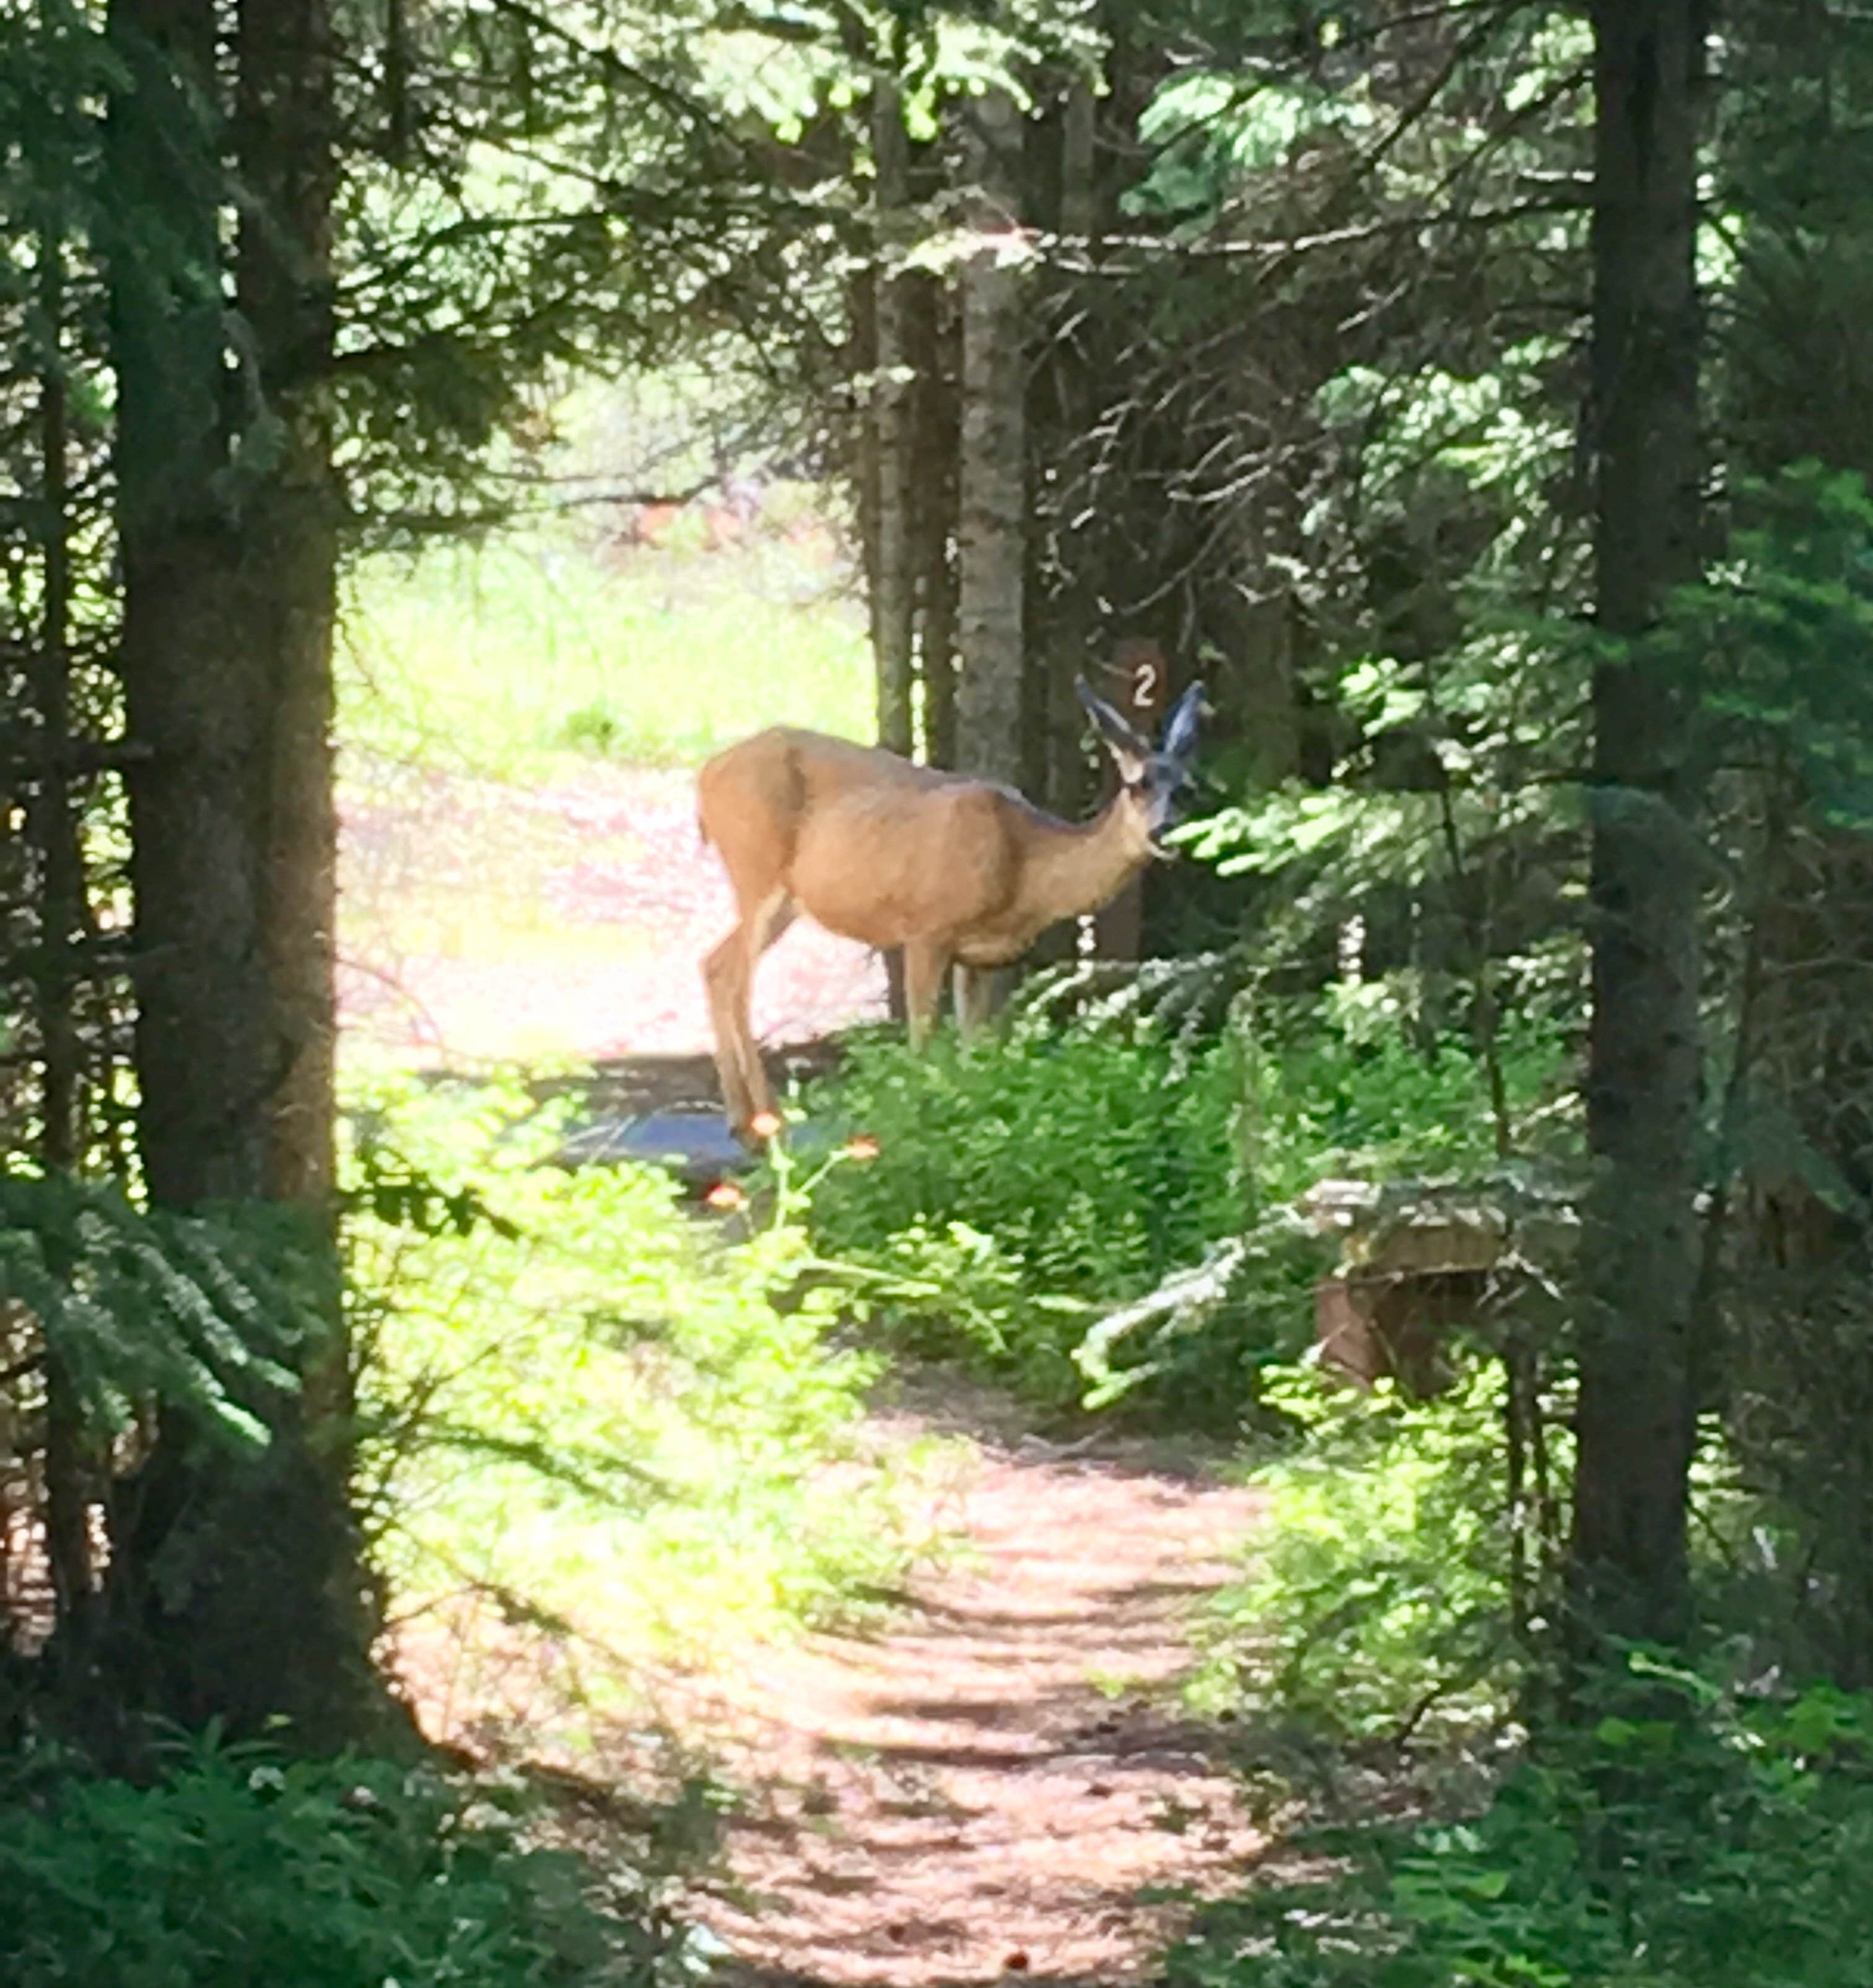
x=1312 y=85
x=1794 y=165
x=1350 y=1085
x=1099 y=1161
x=237 y=1866
x=1701 y=1840
x=1781 y=638
x=1378 y=1600
x=1025 y=1186
x=1209 y=131
x=1021 y=1183
x=580 y=1406
x=208 y=1312
x=1448 y=848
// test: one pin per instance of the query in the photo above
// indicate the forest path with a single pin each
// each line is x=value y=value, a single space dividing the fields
x=983 y=1789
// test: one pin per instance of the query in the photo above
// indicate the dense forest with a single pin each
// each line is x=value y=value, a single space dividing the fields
x=1471 y=395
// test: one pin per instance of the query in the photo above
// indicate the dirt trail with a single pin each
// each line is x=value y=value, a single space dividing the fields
x=983 y=1790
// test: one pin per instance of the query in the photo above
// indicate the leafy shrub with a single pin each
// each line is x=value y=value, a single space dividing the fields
x=581 y=1407
x=593 y=728
x=110 y=1312
x=1338 y=1086
x=1101 y=1161
x=239 y=1868
x=1703 y=1842
x=1026 y=1186
x=208 y=1311
x=1379 y=1598
x=1021 y=1183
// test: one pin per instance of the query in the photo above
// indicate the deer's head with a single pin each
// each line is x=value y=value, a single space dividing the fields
x=1156 y=784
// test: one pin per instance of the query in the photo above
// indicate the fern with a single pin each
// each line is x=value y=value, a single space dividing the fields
x=209 y=1313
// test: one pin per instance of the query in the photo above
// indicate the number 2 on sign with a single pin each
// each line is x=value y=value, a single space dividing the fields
x=1143 y=684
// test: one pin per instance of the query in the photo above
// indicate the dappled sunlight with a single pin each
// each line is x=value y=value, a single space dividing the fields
x=597 y=1450
x=986 y=1787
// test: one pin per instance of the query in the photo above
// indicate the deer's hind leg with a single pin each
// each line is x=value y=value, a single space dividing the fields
x=728 y=1017
x=977 y=990
x=729 y=973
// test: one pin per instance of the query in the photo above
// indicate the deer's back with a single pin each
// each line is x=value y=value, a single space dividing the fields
x=870 y=845
x=782 y=772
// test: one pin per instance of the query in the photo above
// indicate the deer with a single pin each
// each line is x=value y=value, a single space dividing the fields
x=951 y=869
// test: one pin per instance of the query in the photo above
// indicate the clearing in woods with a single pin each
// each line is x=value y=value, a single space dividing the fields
x=981 y=1787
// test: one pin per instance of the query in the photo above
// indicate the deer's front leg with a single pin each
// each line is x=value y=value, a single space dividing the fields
x=923 y=963
x=729 y=972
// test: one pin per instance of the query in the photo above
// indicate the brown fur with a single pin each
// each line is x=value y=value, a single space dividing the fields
x=951 y=869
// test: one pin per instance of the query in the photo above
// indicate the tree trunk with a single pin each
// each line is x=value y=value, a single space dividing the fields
x=1636 y=1409
x=893 y=596
x=236 y=1588
x=933 y=334
x=1072 y=781
x=205 y=1067
x=894 y=599
x=861 y=362
x=992 y=543
x=285 y=115
x=61 y=916
x=1073 y=617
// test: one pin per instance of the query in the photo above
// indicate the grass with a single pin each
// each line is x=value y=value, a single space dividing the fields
x=503 y=658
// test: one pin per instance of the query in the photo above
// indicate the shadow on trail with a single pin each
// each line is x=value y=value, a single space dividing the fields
x=983 y=1790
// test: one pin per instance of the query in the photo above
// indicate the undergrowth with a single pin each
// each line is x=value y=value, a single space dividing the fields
x=1715 y=1838
x=236 y=1866
x=1460 y=1809
x=583 y=1414
x=1028 y=1184
x=1019 y=1184
x=1376 y=1607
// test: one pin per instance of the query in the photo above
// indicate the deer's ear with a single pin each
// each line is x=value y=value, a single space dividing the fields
x=1180 y=728
x=1127 y=748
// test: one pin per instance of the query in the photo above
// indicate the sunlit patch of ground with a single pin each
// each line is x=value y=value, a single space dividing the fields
x=632 y=1674
x=982 y=1782
x=987 y=1789
x=483 y=922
